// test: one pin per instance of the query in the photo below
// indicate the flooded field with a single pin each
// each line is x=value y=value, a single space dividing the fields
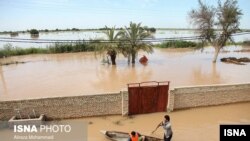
x=83 y=73
x=95 y=34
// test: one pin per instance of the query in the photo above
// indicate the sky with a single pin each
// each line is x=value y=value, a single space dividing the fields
x=51 y=14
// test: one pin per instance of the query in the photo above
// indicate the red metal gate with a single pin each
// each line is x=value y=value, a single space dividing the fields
x=148 y=97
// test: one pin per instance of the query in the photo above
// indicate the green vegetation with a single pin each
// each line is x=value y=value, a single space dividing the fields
x=95 y=45
x=150 y=29
x=34 y=32
x=179 y=44
x=226 y=16
x=8 y=50
x=72 y=47
x=14 y=34
x=132 y=44
x=107 y=28
x=46 y=30
x=127 y=41
x=75 y=29
x=246 y=43
x=112 y=47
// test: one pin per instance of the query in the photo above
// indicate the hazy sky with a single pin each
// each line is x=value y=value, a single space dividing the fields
x=52 y=14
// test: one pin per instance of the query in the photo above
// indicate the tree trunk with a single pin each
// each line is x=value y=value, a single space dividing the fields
x=216 y=53
x=129 y=58
x=133 y=58
x=113 y=57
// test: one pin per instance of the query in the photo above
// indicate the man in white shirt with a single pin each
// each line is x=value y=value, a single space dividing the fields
x=166 y=125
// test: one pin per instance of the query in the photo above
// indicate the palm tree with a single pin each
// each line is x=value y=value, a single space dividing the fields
x=133 y=37
x=110 y=47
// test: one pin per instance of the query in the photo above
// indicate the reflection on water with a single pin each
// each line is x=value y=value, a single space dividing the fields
x=112 y=77
x=83 y=73
x=209 y=76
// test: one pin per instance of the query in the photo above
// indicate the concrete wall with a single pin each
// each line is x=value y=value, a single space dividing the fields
x=64 y=107
x=187 y=97
x=117 y=103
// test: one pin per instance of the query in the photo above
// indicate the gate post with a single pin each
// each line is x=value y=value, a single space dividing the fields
x=125 y=101
x=170 y=106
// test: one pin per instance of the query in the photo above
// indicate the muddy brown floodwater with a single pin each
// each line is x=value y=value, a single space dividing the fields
x=83 y=73
x=196 y=124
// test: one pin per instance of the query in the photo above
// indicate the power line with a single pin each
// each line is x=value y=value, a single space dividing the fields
x=25 y=40
x=78 y=40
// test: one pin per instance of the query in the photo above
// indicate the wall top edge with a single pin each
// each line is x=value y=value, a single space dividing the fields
x=54 y=97
x=212 y=85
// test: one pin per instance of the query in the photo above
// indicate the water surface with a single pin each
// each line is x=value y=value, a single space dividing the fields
x=198 y=124
x=83 y=73
x=87 y=35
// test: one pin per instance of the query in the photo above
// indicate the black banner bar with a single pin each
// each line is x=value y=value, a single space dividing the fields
x=235 y=132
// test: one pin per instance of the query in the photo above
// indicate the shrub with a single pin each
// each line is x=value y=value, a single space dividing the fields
x=246 y=43
x=34 y=31
x=178 y=44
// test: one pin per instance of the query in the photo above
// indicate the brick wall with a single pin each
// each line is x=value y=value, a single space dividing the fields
x=64 y=107
x=117 y=103
x=187 y=97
